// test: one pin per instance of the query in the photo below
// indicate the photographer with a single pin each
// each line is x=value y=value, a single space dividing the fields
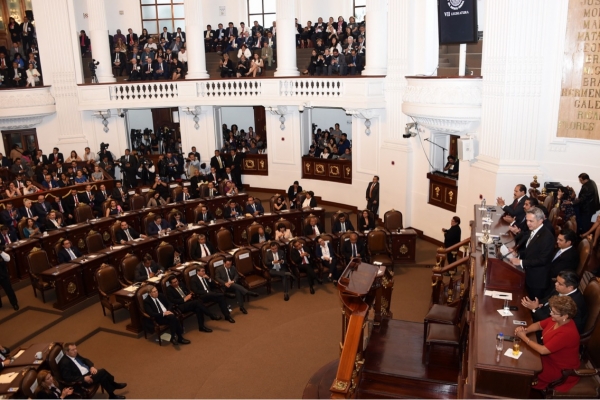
x=147 y=171
x=172 y=165
x=104 y=152
x=161 y=187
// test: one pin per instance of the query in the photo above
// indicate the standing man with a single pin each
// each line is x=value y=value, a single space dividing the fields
x=373 y=195
x=451 y=237
x=228 y=276
x=5 y=280
x=587 y=203
x=218 y=163
x=515 y=211
x=293 y=190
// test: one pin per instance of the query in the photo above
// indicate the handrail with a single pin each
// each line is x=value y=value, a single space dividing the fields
x=455 y=264
x=456 y=246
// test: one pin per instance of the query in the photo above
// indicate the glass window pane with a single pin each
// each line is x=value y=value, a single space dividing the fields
x=180 y=23
x=164 y=12
x=178 y=12
x=166 y=22
x=163 y=1
x=151 y=26
x=269 y=18
x=14 y=10
x=358 y=3
x=359 y=13
x=254 y=6
x=149 y=12
x=148 y=2
x=269 y=6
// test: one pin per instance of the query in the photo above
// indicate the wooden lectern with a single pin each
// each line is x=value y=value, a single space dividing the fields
x=504 y=277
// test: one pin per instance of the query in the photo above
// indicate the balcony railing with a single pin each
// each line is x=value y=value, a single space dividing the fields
x=25 y=107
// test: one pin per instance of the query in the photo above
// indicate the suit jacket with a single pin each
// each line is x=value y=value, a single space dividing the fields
x=122 y=59
x=69 y=203
x=150 y=306
x=180 y=197
x=128 y=38
x=212 y=34
x=56 y=158
x=12 y=236
x=54 y=184
x=116 y=194
x=363 y=226
x=580 y=319
x=152 y=228
x=64 y=257
x=164 y=66
x=221 y=275
x=319 y=252
x=291 y=194
x=255 y=238
x=375 y=195
x=536 y=258
x=588 y=198
x=235 y=32
x=337 y=227
x=516 y=209
x=121 y=235
x=9 y=220
x=308 y=229
x=42 y=210
x=297 y=259
x=197 y=251
x=166 y=35
x=452 y=236
x=567 y=260
x=5 y=162
x=173 y=295
x=269 y=258
x=51 y=227
x=197 y=287
x=140 y=271
x=206 y=218
x=347 y=249
x=259 y=208
x=173 y=223
x=227 y=213
x=100 y=198
x=214 y=163
x=70 y=372
x=12 y=74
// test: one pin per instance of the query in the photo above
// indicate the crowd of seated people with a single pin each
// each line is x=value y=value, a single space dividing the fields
x=331 y=144
x=242 y=142
x=20 y=63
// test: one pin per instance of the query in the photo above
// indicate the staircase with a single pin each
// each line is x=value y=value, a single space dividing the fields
x=449 y=56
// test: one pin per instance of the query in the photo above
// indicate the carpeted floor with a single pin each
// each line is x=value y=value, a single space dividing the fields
x=269 y=353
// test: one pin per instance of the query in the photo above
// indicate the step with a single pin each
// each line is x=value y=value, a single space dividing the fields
x=404 y=388
x=453 y=71
x=471 y=47
x=473 y=60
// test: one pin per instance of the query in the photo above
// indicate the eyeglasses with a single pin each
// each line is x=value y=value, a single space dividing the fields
x=552 y=312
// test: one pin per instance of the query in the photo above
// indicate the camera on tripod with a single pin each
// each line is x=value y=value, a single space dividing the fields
x=93 y=65
x=103 y=146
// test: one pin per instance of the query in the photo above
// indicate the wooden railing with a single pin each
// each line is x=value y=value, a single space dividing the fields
x=442 y=253
x=255 y=164
x=327 y=170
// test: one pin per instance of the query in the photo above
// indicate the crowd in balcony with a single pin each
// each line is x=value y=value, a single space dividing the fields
x=20 y=63
x=241 y=141
x=331 y=144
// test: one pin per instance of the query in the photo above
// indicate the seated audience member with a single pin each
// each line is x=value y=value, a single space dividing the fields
x=451 y=167
x=309 y=201
x=324 y=252
x=253 y=207
x=212 y=190
x=347 y=155
x=156 y=200
x=75 y=368
x=47 y=388
x=68 y=252
x=283 y=233
x=7 y=236
x=342 y=225
x=365 y=222
x=561 y=343
x=10 y=216
x=12 y=191
x=353 y=248
x=256 y=66
x=355 y=63
x=135 y=70
x=157 y=226
x=97 y=175
x=147 y=269
x=313 y=229
x=53 y=222
x=313 y=64
x=201 y=248
x=226 y=66
x=593 y=231
x=80 y=177
x=338 y=64
x=207 y=291
x=177 y=68
x=30 y=228
x=266 y=54
x=177 y=221
x=515 y=210
x=233 y=211
x=279 y=204
x=184 y=195
x=227 y=276
x=158 y=307
x=127 y=234
x=30 y=188
x=230 y=189
x=180 y=297
x=119 y=193
x=113 y=209
x=260 y=236
x=452 y=237
x=205 y=216
x=33 y=75
x=148 y=67
x=275 y=261
x=16 y=76
x=303 y=260
x=326 y=153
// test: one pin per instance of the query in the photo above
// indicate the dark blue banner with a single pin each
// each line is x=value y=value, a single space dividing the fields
x=457 y=21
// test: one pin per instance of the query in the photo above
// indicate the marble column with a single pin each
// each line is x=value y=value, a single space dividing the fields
x=99 y=40
x=194 y=29
x=377 y=37
x=286 y=39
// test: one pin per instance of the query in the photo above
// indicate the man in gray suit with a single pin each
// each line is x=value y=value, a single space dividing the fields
x=275 y=261
x=228 y=276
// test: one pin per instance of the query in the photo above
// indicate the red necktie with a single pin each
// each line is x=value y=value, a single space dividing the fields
x=76 y=200
x=83 y=40
x=6 y=239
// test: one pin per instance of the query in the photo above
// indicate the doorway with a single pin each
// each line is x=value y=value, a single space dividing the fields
x=25 y=138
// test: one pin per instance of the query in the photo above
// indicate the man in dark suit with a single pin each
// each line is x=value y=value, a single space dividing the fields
x=75 y=368
x=158 y=307
x=353 y=248
x=324 y=252
x=212 y=190
x=228 y=277
x=56 y=157
x=202 y=248
x=119 y=193
x=70 y=203
x=161 y=69
x=16 y=76
x=220 y=35
x=134 y=70
x=147 y=269
x=127 y=234
x=218 y=163
x=452 y=237
x=165 y=34
x=587 y=202
x=206 y=290
x=233 y=210
x=515 y=211
x=10 y=217
x=275 y=261
x=253 y=207
x=566 y=257
x=49 y=183
x=355 y=63
x=342 y=225
x=52 y=222
x=156 y=226
x=5 y=162
x=535 y=254
x=231 y=30
x=303 y=260
x=372 y=195
x=131 y=39
x=313 y=229
x=7 y=236
x=183 y=300
x=235 y=163
x=68 y=252
x=260 y=236
x=101 y=196
x=293 y=190
x=42 y=208
x=119 y=61
x=205 y=216
x=27 y=33
x=566 y=284
x=209 y=36
x=214 y=175
x=184 y=195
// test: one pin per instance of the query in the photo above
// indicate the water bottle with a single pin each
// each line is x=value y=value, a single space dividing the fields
x=500 y=341
x=483 y=203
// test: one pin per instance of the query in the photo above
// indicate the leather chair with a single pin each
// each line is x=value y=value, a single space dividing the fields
x=54 y=356
x=174 y=192
x=592 y=300
x=300 y=197
x=197 y=211
x=251 y=230
x=225 y=240
x=553 y=215
x=571 y=224
x=58 y=245
x=266 y=247
x=336 y=217
x=294 y=267
x=22 y=224
x=392 y=220
x=221 y=186
x=584 y=251
x=146 y=220
x=147 y=196
x=344 y=237
x=306 y=221
x=127 y=268
x=549 y=201
x=137 y=202
x=215 y=261
x=188 y=245
x=274 y=198
x=288 y=225
x=203 y=189
x=94 y=242
x=446 y=335
x=586 y=388
x=114 y=228
x=83 y=212
x=147 y=320
x=29 y=382
x=108 y=284
x=377 y=248
x=164 y=255
x=38 y=263
x=252 y=276
x=105 y=205
x=328 y=238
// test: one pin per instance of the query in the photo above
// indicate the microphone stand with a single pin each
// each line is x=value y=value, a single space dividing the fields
x=443 y=152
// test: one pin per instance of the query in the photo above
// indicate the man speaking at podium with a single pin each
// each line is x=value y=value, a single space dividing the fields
x=535 y=253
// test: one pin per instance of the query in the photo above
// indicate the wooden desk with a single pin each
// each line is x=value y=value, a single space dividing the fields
x=404 y=245
x=116 y=254
x=129 y=301
x=140 y=247
x=295 y=217
x=76 y=233
x=133 y=218
x=9 y=390
x=89 y=264
x=68 y=282
x=48 y=241
x=20 y=250
x=28 y=357
x=443 y=191
x=102 y=226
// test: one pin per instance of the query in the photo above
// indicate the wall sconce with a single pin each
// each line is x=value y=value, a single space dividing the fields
x=281 y=111
x=196 y=111
x=368 y=125
x=366 y=114
x=105 y=115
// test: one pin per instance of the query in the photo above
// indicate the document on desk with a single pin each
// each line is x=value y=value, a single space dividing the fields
x=131 y=288
x=138 y=239
x=8 y=378
x=506 y=252
x=498 y=295
x=505 y=313
x=19 y=353
x=480 y=234
x=155 y=279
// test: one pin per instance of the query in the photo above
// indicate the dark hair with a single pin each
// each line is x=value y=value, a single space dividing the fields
x=312 y=194
x=522 y=188
x=584 y=176
x=569 y=235
x=172 y=278
x=157 y=216
x=456 y=219
x=533 y=202
x=147 y=257
x=571 y=278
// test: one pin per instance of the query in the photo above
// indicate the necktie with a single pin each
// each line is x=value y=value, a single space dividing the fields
x=185 y=196
x=128 y=235
x=353 y=250
x=159 y=306
x=73 y=256
x=29 y=212
x=253 y=207
x=204 y=284
x=44 y=206
x=206 y=252
x=90 y=196
x=60 y=207
x=228 y=277
x=558 y=253
x=148 y=271
x=204 y=217
x=343 y=227
x=6 y=239
x=529 y=240
x=81 y=364
x=180 y=292
x=104 y=193
x=76 y=200
x=371 y=191
x=304 y=260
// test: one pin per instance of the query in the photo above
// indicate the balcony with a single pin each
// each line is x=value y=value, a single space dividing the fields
x=26 y=107
x=444 y=104
x=351 y=92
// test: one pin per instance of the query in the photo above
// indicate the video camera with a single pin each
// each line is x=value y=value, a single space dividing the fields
x=93 y=65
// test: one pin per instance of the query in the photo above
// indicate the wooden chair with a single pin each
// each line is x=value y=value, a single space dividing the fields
x=175 y=192
x=592 y=300
x=54 y=356
x=221 y=186
x=300 y=199
x=392 y=220
x=336 y=217
x=251 y=230
x=146 y=220
x=83 y=212
x=188 y=245
x=29 y=383
x=328 y=238
x=446 y=335
x=22 y=224
x=252 y=276
x=147 y=196
x=105 y=205
x=288 y=225
x=94 y=242
x=203 y=189
x=215 y=261
x=274 y=198
x=197 y=212
x=108 y=284
x=147 y=320
x=549 y=201
x=295 y=269
x=164 y=255
x=225 y=240
x=114 y=228
x=127 y=268
x=266 y=247
x=377 y=248
x=137 y=202
x=586 y=388
x=38 y=263
x=584 y=251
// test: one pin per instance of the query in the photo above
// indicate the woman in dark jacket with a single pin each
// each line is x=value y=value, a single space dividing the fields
x=48 y=388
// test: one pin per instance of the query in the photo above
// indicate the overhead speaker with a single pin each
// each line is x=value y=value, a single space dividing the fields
x=466 y=149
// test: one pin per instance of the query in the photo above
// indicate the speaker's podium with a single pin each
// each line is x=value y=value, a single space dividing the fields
x=503 y=276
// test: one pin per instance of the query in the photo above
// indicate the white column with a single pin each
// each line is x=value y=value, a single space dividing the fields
x=194 y=29
x=286 y=39
x=99 y=40
x=377 y=38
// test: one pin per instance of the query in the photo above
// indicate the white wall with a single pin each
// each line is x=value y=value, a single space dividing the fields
x=243 y=117
x=131 y=17
x=311 y=10
x=236 y=11
x=326 y=118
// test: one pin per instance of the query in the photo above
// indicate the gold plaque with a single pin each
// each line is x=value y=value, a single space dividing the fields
x=268 y=230
x=219 y=212
x=348 y=171
x=244 y=235
x=249 y=164
x=339 y=385
x=307 y=166
x=319 y=168
x=106 y=236
x=437 y=191
x=334 y=170
x=450 y=195
x=262 y=164
x=71 y=288
x=403 y=249
x=81 y=244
